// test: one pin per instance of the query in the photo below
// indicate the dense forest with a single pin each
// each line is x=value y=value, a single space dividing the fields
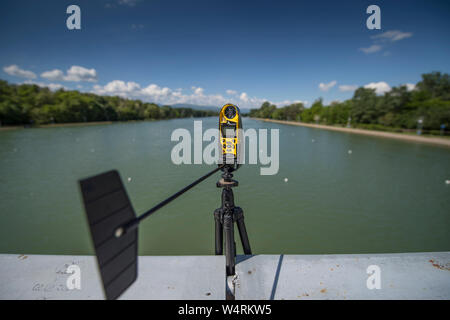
x=29 y=104
x=426 y=106
x=400 y=109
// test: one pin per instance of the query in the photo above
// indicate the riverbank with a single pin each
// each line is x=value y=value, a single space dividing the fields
x=79 y=124
x=56 y=125
x=383 y=134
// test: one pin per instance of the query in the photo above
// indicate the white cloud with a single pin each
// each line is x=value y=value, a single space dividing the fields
x=348 y=87
x=327 y=86
x=198 y=91
x=165 y=95
x=231 y=92
x=393 y=35
x=54 y=86
x=130 y=3
x=384 y=38
x=373 y=48
x=14 y=70
x=53 y=75
x=380 y=87
x=243 y=97
x=177 y=92
x=75 y=73
x=410 y=86
x=118 y=87
x=154 y=90
x=288 y=102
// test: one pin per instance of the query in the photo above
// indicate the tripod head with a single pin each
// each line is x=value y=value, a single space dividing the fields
x=227 y=178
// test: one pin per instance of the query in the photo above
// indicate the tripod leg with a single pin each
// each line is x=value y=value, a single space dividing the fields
x=229 y=243
x=219 y=232
x=239 y=216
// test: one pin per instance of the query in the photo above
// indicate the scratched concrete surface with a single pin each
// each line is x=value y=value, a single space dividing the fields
x=402 y=276
x=34 y=277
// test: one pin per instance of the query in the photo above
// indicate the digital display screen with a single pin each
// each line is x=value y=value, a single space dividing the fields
x=230 y=129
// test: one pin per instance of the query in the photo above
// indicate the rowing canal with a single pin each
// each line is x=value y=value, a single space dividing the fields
x=335 y=192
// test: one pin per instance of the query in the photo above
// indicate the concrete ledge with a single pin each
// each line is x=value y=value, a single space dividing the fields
x=259 y=277
x=34 y=277
x=403 y=276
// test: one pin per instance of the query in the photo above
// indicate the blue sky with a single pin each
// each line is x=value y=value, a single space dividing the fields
x=211 y=52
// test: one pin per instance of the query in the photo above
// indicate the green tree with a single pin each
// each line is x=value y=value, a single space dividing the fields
x=436 y=84
x=365 y=108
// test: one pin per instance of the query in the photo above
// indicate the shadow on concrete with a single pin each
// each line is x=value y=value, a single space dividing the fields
x=277 y=275
x=242 y=258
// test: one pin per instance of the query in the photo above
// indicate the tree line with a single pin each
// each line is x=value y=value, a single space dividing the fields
x=29 y=104
x=400 y=109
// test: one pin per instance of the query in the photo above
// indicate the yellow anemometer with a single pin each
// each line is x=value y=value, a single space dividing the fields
x=230 y=128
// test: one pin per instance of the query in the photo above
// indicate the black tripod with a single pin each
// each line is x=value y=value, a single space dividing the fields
x=224 y=218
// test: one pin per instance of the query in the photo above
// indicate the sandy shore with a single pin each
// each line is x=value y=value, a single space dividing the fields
x=401 y=136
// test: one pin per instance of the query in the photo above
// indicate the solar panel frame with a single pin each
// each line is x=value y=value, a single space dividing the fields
x=108 y=207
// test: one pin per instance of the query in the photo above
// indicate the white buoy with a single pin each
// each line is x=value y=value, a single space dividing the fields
x=447 y=181
x=349 y=151
x=129 y=179
x=285 y=179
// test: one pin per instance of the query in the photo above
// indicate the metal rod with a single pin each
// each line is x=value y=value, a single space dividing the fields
x=135 y=222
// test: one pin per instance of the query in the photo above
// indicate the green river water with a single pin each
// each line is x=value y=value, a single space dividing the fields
x=385 y=196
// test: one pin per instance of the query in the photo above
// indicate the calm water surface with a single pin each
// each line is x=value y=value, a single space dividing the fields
x=384 y=196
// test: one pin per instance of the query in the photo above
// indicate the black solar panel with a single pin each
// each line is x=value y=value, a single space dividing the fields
x=107 y=208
